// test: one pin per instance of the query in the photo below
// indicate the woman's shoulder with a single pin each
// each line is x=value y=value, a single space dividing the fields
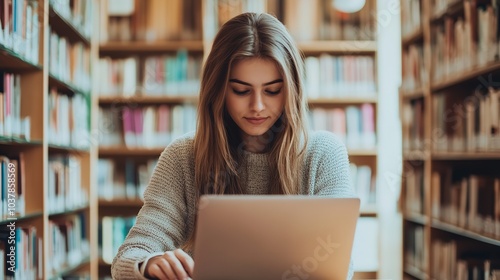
x=324 y=144
x=322 y=139
x=182 y=145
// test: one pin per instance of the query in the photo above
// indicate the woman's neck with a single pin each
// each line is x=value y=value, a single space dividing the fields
x=256 y=144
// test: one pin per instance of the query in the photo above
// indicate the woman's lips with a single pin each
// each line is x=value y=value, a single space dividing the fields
x=256 y=120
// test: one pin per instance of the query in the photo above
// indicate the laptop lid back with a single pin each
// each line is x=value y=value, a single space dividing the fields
x=274 y=237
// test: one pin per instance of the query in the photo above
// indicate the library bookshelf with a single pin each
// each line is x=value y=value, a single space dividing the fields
x=46 y=50
x=133 y=92
x=449 y=104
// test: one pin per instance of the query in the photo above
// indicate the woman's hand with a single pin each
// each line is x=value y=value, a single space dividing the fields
x=172 y=265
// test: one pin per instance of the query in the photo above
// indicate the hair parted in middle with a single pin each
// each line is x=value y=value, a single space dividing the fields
x=218 y=144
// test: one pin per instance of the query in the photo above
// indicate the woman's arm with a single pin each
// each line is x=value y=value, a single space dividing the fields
x=160 y=224
x=332 y=175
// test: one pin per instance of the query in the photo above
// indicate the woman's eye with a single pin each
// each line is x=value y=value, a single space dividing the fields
x=240 y=92
x=273 y=92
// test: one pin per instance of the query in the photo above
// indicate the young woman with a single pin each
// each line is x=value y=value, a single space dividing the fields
x=251 y=138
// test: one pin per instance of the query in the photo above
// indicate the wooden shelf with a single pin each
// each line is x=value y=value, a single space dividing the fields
x=135 y=47
x=33 y=155
x=68 y=211
x=342 y=101
x=423 y=229
x=494 y=155
x=16 y=141
x=53 y=148
x=368 y=211
x=121 y=203
x=147 y=100
x=415 y=155
x=9 y=60
x=453 y=9
x=65 y=28
x=364 y=275
x=64 y=86
x=467 y=75
x=18 y=219
x=414 y=36
x=414 y=272
x=362 y=153
x=70 y=269
x=411 y=95
x=417 y=218
x=343 y=47
x=436 y=224
x=124 y=151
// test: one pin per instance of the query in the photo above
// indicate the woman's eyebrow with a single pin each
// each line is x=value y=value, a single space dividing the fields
x=248 y=84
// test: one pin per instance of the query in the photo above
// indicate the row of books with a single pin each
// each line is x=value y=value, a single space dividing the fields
x=319 y=20
x=410 y=17
x=300 y=17
x=150 y=126
x=151 y=20
x=439 y=7
x=363 y=180
x=414 y=191
x=77 y=12
x=355 y=125
x=125 y=179
x=128 y=179
x=172 y=74
x=112 y=233
x=68 y=243
x=69 y=119
x=12 y=186
x=69 y=62
x=412 y=119
x=340 y=76
x=460 y=44
x=19 y=28
x=227 y=9
x=467 y=123
x=12 y=121
x=22 y=256
x=220 y=11
x=413 y=70
x=415 y=253
x=471 y=202
x=65 y=189
x=449 y=263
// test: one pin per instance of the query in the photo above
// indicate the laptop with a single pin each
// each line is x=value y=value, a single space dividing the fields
x=274 y=237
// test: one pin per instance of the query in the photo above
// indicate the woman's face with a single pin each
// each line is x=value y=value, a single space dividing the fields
x=255 y=95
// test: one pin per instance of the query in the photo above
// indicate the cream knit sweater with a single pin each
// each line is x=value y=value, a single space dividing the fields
x=167 y=216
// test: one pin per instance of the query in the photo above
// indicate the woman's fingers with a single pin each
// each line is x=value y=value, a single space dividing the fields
x=166 y=268
x=154 y=271
x=159 y=268
x=171 y=265
x=186 y=260
x=176 y=265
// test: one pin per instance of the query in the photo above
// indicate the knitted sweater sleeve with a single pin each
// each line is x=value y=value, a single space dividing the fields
x=161 y=222
x=332 y=174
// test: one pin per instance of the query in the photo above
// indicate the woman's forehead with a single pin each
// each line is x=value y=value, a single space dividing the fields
x=255 y=70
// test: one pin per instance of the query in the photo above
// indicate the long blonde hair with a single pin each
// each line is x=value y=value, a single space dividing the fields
x=217 y=142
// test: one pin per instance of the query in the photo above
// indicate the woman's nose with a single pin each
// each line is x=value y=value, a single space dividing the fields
x=257 y=102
